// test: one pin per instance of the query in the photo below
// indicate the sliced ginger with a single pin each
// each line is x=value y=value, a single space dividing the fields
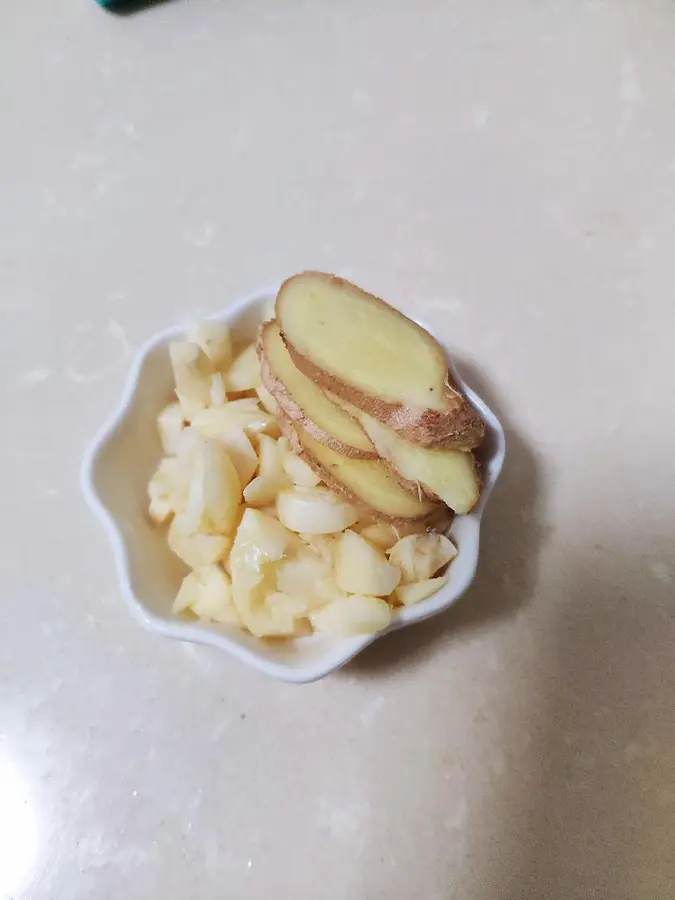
x=305 y=402
x=368 y=353
x=367 y=483
x=448 y=475
x=264 y=520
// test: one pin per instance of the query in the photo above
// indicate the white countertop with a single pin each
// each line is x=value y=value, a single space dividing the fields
x=505 y=171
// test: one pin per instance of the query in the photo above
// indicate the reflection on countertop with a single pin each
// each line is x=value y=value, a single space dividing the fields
x=18 y=829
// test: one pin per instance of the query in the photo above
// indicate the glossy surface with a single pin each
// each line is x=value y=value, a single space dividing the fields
x=504 y=171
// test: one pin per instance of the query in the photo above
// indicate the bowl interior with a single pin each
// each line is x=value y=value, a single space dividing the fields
x=115 y=478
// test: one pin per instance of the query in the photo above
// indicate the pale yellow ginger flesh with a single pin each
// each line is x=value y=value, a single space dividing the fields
x=450 y=475
x=367 y=481
x=301 y=399
x=361 y=340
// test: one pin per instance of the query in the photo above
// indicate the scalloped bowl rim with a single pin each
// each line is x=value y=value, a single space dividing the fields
x=339 y=652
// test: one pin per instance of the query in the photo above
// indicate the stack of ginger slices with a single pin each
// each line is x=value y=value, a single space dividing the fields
x=366 y=400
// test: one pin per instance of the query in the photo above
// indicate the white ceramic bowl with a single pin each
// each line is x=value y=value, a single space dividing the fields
x=115 y=474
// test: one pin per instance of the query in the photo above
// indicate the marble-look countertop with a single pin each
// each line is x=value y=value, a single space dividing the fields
x=504 y=170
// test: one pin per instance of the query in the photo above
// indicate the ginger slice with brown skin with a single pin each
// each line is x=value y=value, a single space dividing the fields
x=366 y=352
